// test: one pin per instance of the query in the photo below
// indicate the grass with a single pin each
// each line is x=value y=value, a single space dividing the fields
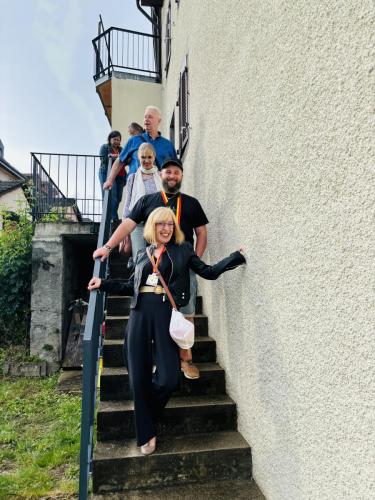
x=39 y=440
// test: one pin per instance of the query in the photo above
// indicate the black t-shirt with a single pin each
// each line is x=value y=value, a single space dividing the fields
x=192 y=214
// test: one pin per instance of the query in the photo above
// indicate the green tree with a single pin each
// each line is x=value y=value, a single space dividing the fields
x=15 y=277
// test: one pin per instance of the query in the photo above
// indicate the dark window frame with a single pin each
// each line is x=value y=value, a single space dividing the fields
x=168 y=37
x=183 y=109
x=172 y=129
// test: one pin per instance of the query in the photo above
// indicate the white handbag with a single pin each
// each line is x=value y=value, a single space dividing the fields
x=180 y=329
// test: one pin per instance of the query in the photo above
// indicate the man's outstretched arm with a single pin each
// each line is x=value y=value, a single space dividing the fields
x=125 y=228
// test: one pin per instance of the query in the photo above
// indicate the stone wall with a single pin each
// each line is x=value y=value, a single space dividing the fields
x=61 y=267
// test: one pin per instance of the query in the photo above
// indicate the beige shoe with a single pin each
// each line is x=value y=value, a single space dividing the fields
x=149 y=447
x=190 y=370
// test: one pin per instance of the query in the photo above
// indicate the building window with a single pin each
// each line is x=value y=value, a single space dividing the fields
x=168 y=37
x=183 y=104
x=172 y=130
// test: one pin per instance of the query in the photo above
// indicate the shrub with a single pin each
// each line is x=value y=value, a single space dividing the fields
x=15 y=277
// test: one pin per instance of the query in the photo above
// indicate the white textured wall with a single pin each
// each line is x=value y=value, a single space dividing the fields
x=281 y=155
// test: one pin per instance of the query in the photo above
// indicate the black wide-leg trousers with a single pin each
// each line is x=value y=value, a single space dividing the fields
x=148 y=331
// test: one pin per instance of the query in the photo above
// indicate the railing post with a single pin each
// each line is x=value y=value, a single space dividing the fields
x=34 y=191
x=109 y=53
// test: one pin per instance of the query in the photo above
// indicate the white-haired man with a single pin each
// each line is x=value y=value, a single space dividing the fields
x=164 y=148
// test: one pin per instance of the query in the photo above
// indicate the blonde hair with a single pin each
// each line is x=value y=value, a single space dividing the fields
x=162 y=214
x=145 y=146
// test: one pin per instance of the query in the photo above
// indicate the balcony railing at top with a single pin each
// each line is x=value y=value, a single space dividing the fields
x=66 y=187
x=127 y=51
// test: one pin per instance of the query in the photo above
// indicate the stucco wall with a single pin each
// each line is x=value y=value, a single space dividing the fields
x=281 y=156
x=129 y=99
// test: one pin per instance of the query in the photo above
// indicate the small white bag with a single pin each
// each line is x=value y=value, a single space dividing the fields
x=181 y=330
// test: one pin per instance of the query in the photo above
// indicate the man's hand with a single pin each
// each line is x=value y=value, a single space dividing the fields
x=125 y=228
x=108 y=184
x=101 y=252
x=94 y=283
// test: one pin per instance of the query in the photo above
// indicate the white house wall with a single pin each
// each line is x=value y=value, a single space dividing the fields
x=281 y=156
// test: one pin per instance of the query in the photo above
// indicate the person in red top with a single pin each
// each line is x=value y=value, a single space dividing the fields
x=112 y=148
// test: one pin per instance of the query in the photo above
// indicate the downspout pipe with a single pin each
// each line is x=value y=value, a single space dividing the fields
x=155 y=24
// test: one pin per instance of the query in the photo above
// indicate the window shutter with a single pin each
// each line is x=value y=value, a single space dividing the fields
x=168 y=37
x=183 y=110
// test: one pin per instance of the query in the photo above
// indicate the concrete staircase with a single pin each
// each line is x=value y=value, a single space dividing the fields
x=198 y=441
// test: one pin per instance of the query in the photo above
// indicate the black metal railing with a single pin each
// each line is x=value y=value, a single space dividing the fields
x=128 y=51
x=92 y=341
x=66 y=187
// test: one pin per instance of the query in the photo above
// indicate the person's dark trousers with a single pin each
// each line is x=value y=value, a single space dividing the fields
x=151 y=392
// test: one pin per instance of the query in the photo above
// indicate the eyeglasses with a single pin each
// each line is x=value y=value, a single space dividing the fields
x=165 y=224
x=146 y=157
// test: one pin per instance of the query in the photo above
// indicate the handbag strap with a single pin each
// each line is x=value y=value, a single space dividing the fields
x=167 y=291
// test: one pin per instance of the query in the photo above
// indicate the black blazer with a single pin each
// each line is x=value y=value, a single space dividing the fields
x=183 y=258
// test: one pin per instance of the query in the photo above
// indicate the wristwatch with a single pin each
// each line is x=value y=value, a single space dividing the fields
x=108 y=248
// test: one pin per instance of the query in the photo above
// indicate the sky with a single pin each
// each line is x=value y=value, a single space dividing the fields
x=48 y=101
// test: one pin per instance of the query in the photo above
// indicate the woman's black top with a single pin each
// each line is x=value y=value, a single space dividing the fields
x=182 y=258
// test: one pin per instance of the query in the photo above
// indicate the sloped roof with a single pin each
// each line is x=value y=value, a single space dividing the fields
x=6 y=186
x=8 y=167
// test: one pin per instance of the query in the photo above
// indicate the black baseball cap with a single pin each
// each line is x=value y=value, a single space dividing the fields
x=171 y=161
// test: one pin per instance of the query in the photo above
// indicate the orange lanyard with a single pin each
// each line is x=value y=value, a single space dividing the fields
x=155 y=264
x=179 y=203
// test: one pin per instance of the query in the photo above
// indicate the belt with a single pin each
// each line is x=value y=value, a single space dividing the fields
x=152 y=289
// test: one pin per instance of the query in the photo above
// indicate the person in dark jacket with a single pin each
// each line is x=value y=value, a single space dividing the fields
x=150 y=316
x=112 y=148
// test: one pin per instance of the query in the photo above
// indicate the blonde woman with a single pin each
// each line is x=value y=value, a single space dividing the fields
x=145 y=181
x=150 y=315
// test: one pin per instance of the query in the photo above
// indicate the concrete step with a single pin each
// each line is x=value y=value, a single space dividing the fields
x=182 y=415
x=119 y=465
x=114 y=383
x=230 y=489
x=120 y=305
x=116 y=326
x=204 y=351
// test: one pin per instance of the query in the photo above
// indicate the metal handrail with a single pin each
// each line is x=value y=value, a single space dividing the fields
x=128 y=51
x=61 y=180
x=92 y=340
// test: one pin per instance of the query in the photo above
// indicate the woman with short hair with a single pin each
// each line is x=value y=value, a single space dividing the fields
x=146 y=180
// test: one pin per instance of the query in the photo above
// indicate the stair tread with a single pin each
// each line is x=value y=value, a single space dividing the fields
x=240 y=489
x=173 y=445
x=175 y=402
x=198 y=338
x=130 y=296
x=121 y=370
x=127 y=317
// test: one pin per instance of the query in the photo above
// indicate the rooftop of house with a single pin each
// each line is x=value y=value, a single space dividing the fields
x=6 y=186
x=5 y=165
